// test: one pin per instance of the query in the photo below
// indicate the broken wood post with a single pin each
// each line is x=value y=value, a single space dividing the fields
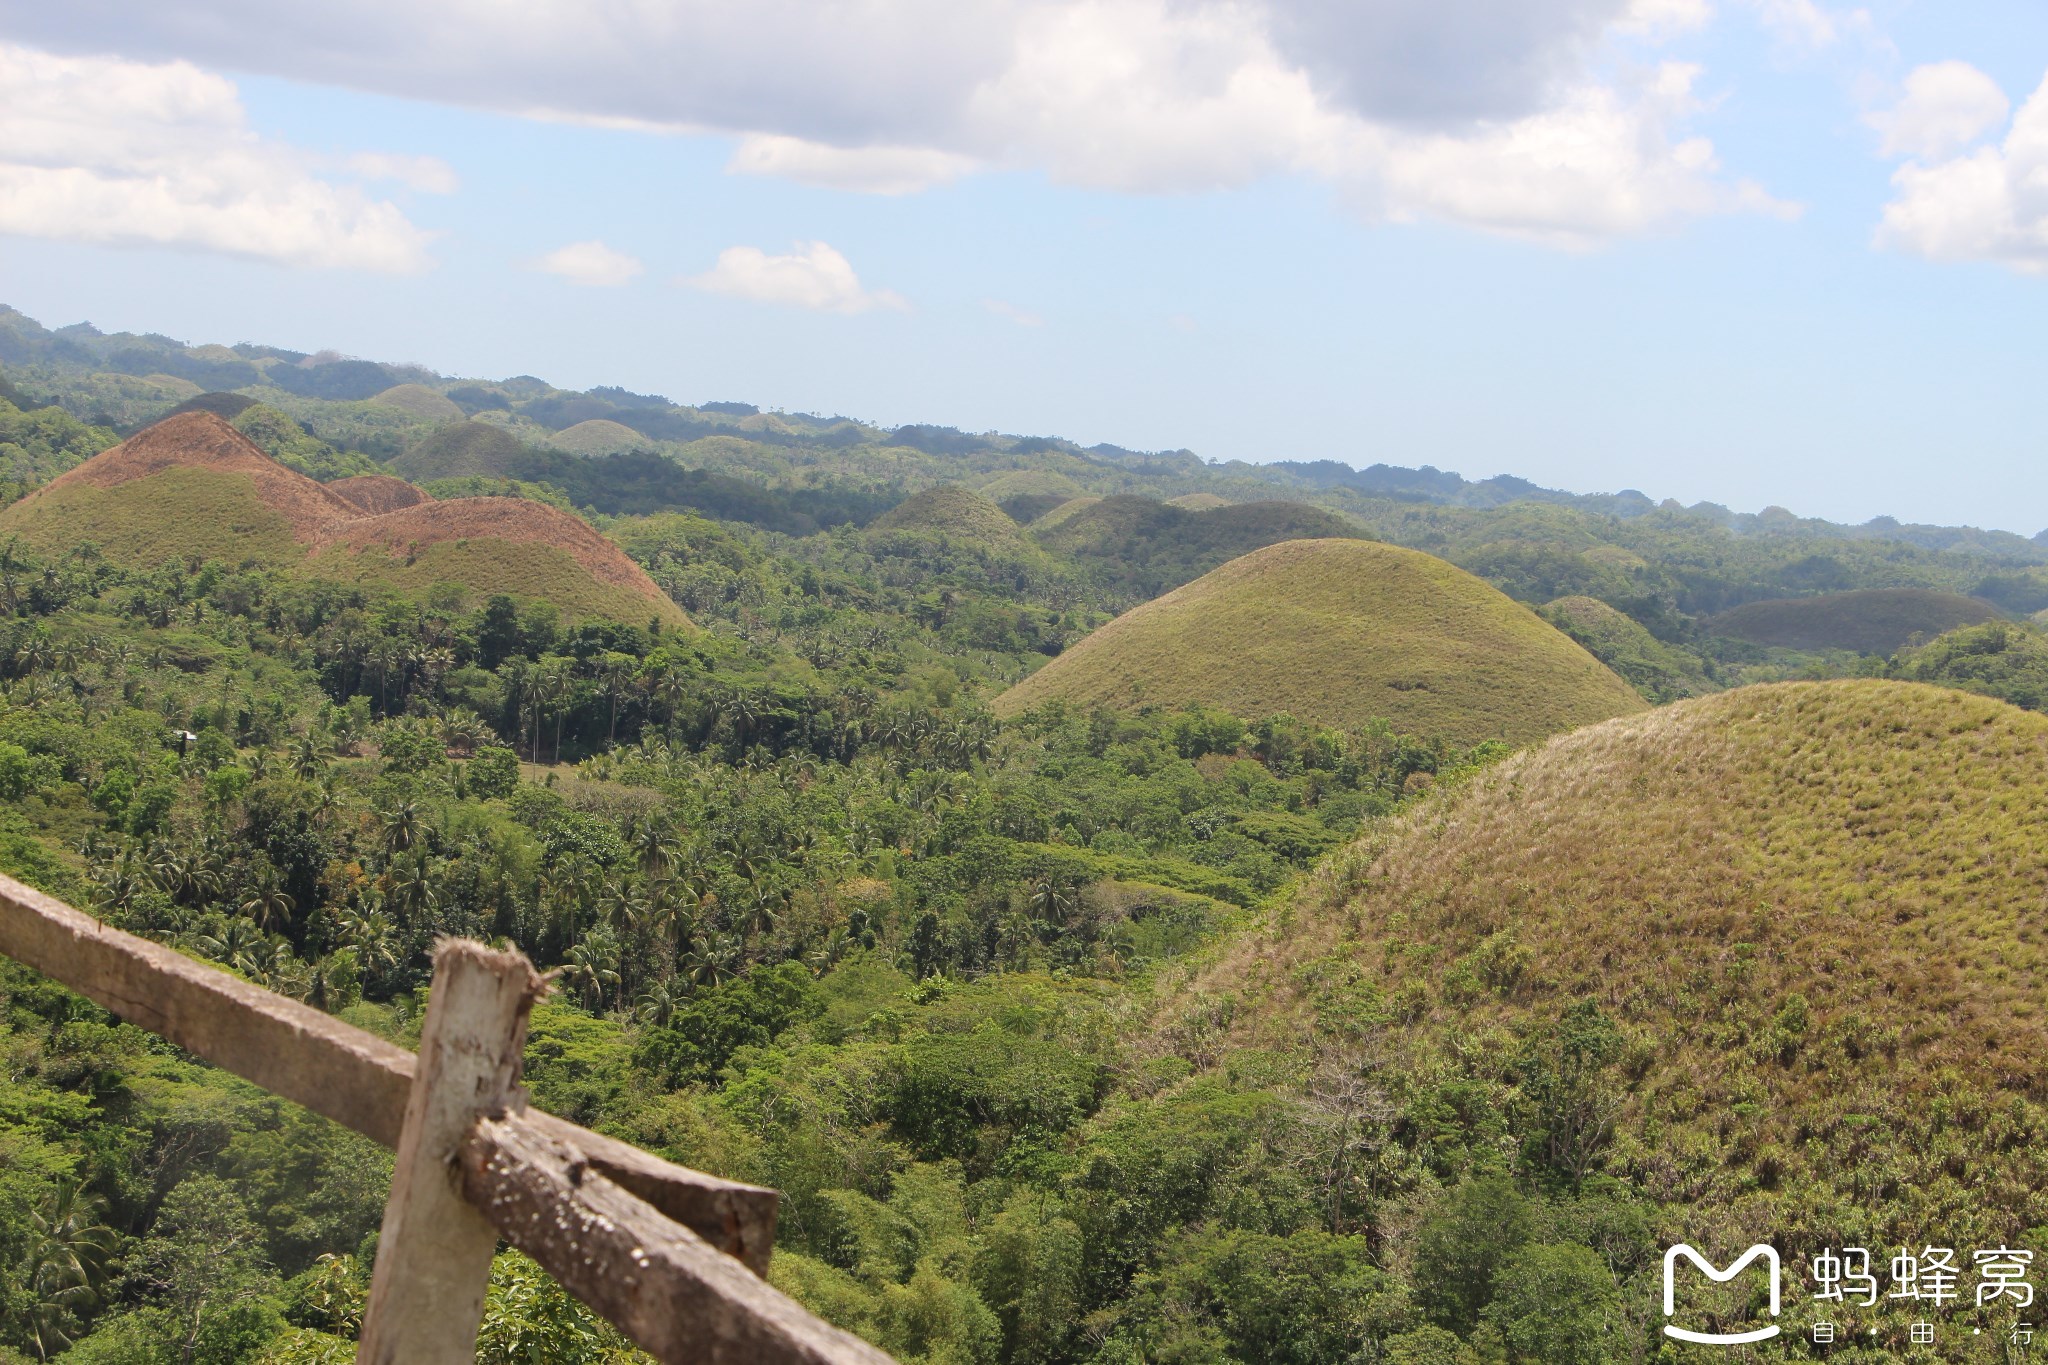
x=434 y=1254
x=654 y=1279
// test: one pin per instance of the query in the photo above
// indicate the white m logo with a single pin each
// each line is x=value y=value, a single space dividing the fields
x=1755 y=1253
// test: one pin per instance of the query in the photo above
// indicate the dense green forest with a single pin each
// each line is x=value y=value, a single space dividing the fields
x=820 y=919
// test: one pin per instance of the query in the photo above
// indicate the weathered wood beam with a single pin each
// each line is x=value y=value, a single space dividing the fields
x=353 y=1077
x=291 y=1049
x=434 y=1253
x=656 y=1280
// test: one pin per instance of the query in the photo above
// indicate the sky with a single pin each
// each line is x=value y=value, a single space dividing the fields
x=1756 y=252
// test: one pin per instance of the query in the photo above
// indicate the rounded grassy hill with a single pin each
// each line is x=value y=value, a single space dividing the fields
x=598 y=436
x=459 y=450
x=420 y=401
x=950 y=510
x=1868 y=621
x=1340 y=632
x=1813 y=912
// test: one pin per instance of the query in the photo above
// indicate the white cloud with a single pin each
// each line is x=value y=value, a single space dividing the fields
x=1132 y=96
x=1662 y=19
x=1946 y=107
x=1805 y=24
x=813 y=276
x=1990 y=204
x=865 y=170
x=590 y=263
x=427 y=174
x=125 y=153
x=1022 y=317
x=1600 y=166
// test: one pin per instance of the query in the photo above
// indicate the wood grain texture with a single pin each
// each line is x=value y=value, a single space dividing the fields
x=353 y=1077
x=654 y=1279
x=434 y=1253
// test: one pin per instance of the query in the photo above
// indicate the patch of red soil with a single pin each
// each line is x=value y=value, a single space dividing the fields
x=509 y=519
x=376 y=494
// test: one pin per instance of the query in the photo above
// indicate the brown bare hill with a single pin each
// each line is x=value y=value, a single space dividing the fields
x=194 y=487
x=1340 y=632
x=407 y=533
x=201 y=440
x=375 y=494
x=1869 y=621
x=1813 y=911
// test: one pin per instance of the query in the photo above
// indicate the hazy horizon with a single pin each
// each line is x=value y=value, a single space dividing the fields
x=1750 y=252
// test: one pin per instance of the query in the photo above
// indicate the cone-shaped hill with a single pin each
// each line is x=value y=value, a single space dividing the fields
x=1810 y=912
x=952 y=511
x=1341 y=632
x=1868 y=621
x=461 y=449
x=192 y=485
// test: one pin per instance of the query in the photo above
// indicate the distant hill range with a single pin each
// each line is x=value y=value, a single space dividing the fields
x=1871 y=621
x=1340 y=632
x=156 y=372
x=193 y=486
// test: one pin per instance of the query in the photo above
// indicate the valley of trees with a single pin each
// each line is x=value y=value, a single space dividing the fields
x=969 y=991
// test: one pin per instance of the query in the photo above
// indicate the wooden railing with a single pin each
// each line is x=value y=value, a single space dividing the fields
x=672 y=1257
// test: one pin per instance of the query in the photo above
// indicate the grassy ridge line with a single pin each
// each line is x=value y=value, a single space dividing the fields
x=1340 y=632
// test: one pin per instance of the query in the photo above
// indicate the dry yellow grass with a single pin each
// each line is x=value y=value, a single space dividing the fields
x=1817 y=909
x=1340 y=632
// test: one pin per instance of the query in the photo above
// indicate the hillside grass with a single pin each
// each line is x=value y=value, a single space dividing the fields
x=458 y=450
x=950 y=510
x=1340 y=632
x=1868 y=621
x=1660 y=672
x=176 y=514
x=1814 y=909
x=480 y=567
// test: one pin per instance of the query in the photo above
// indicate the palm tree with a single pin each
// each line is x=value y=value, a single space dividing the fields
x=412 y=888
x=656 y=847
x=239 y=945
x=307 y=762
x=614 y=680
x=403 y=825
x=711 y=961
x=658 y=1005
x=372 y=937
x=66 y=1261
x=593 y=965
x=267 y=902
x=762 y=911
